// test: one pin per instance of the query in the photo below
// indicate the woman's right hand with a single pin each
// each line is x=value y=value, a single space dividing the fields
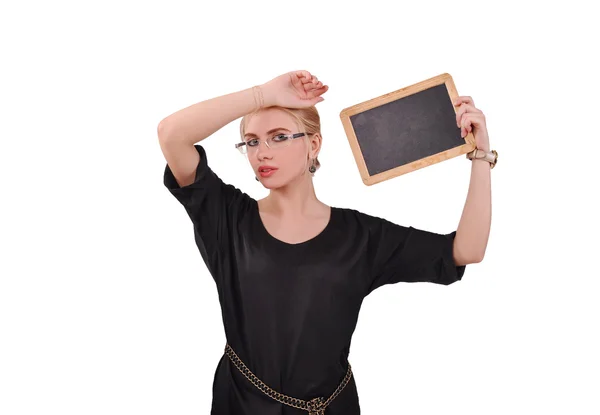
x=296 y=89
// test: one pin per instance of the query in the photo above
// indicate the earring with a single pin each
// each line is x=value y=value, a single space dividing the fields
x=312 y=168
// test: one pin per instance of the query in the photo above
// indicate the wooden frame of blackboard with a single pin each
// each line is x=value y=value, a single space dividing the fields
x=347 y=113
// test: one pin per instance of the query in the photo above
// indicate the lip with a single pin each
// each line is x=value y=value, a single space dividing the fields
x=267 y=173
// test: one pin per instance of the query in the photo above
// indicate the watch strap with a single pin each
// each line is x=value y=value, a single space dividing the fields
x=479 y=154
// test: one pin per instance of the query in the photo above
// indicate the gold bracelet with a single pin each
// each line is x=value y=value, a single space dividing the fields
x=254 y=96
x=262 y=100
x=258 y=97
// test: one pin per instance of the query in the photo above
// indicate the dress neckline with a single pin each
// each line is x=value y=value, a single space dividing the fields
x=278 y=241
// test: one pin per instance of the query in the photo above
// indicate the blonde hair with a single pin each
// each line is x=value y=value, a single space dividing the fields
x=307 y=120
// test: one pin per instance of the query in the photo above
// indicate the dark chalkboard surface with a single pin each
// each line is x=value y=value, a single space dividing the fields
x=405 y=130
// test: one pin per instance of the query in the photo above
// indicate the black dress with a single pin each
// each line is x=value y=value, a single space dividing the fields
x=289 y=310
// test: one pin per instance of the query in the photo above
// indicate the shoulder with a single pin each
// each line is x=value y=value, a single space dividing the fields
x=359 y=221
x=208 y=194
x=353 y=215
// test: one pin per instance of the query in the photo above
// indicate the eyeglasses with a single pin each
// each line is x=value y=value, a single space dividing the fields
x=275 y=142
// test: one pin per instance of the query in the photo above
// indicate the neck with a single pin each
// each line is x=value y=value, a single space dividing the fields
x=295 y=200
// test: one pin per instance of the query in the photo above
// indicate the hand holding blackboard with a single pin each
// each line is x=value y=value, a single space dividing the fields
x=405 y=130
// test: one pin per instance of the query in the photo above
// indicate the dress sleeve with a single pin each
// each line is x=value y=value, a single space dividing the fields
x=408 y=254
x=213 y=206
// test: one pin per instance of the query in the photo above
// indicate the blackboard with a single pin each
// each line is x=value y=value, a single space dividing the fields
x=405 y=130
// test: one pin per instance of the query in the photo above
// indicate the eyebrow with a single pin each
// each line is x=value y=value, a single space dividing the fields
x=268 y=132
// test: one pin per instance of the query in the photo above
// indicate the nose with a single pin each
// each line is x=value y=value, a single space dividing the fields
x=260 y=149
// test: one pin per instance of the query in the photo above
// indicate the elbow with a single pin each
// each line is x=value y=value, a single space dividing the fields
x=468 y=259
x=162 y=130
x=477 y=259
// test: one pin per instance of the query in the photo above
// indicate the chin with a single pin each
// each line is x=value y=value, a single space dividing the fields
x=271 y=185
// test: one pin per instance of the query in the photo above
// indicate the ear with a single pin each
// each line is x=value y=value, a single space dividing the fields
x=315 y=145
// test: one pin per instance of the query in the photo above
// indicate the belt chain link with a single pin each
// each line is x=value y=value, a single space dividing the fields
x=314 y=406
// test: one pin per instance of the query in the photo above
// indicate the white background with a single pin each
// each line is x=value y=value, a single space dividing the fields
x=105 y=304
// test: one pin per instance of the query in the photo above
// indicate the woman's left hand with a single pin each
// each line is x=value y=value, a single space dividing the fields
x=471 y=119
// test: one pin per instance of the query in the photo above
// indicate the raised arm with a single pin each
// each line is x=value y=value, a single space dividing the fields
x=474 y=227
x=178 y=132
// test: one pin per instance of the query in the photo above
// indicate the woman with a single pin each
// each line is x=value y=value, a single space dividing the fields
x=292 y=272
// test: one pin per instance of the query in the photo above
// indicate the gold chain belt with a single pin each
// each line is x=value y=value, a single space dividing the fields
x=315 y=406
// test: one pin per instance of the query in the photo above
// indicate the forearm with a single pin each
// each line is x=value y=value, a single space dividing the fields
x=474 y=227
x=197 y=122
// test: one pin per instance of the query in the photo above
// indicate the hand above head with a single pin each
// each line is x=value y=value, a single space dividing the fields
x=296 y=89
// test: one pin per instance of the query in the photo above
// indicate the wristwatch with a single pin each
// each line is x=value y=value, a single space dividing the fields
x=490 y=156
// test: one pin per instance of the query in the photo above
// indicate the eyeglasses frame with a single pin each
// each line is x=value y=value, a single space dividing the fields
x=293 y=136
